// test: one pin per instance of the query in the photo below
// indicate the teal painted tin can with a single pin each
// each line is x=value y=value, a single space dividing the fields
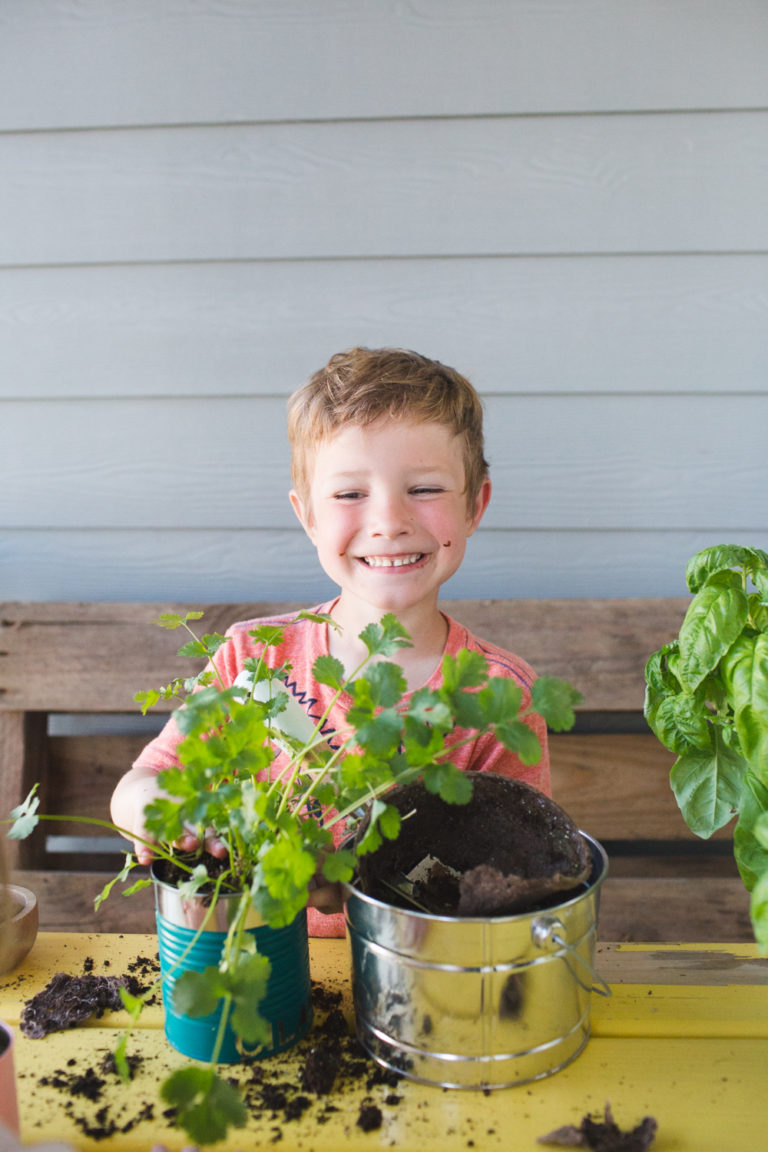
x=287 y=1005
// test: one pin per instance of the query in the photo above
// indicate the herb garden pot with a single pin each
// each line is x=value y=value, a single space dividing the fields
x=9 y=1113
x=476 y=1000
x=188 y=938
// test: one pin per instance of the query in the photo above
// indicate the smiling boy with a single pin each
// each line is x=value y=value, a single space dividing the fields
x=389 y=482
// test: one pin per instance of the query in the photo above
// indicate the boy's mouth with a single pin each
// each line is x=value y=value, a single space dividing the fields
x=392 y=561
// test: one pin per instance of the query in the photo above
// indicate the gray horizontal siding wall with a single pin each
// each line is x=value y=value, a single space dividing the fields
x=200 y=202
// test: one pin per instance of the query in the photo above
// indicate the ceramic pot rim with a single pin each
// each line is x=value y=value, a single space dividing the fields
x=24 y=896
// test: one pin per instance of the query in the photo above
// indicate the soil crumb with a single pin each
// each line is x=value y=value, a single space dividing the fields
x=370 y=1117
x=604 y=1135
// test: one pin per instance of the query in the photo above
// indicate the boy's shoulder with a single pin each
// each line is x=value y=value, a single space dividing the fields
x=501 y=662
x=242 y=628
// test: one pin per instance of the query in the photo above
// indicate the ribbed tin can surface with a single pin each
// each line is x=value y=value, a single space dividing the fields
x=287 y=1005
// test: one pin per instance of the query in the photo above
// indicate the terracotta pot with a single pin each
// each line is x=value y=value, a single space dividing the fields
x=9 y=1112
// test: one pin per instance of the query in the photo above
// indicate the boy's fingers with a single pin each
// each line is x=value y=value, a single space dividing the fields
x=216 y=847
x=143 y=854
x=326 y=898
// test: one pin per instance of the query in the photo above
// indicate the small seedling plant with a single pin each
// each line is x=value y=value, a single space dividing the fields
x=276 y=818
x=707 y=701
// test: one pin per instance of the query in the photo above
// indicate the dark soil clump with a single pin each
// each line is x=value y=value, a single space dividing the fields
x=168 y=872
x=604 y=1135
x=320 y=1068
x=510 y=849
x=370 y=1117
x=69 y=1000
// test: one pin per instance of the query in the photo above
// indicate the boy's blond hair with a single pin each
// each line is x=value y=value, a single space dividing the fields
x=363 y=385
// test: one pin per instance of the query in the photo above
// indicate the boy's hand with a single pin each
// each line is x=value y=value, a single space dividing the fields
x=325 y=896
x=131 y=796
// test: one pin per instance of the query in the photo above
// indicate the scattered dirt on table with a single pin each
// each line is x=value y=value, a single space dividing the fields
x=312 y=1076
x=88 y=1085
x=604 y=1135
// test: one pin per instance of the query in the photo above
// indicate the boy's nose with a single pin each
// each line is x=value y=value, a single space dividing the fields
x=389 y=518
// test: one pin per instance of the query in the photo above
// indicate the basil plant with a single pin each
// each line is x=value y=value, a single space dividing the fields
x=707 y=701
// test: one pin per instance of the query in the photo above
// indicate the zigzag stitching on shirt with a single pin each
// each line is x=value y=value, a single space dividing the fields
x=308 y=703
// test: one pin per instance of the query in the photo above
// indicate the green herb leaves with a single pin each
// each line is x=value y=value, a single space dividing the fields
x=257 y=774
x=707 y=701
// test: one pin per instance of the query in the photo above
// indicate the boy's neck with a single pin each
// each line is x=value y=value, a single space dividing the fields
x=427 y=628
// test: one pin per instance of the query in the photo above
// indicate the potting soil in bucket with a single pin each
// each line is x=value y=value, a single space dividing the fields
x=476 y=1001
x=287 y=1005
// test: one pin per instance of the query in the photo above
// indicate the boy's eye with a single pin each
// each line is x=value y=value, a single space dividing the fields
x=427 y=490
x=351 y=495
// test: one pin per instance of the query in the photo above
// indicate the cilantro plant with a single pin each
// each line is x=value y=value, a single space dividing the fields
x=277 y=821
x=707 y=701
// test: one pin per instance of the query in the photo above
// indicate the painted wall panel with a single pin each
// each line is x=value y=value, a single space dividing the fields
x=201 y=566
x=680 y=183
x=200 y=202
x=103 y=62
x=696 y=323
x=559 y=462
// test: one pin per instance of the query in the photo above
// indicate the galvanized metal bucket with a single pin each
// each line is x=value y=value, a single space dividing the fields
x=183 y=945
x=476 y=1003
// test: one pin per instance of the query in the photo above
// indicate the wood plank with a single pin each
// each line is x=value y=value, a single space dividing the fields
x=24 y=760
x=65 y=903
x=147 y=564
x=144 y=655
x=616 y=787
x=671 y=909
x=623 y=462
x=453 y=186
x=600 y=645
x=636 y=910
x=261 y=60
x=626 y=324
x=680 y=964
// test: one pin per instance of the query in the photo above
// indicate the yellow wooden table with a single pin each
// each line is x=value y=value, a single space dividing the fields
x=684 y=1038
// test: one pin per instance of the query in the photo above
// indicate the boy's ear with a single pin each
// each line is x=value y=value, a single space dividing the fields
x=303 y=513
x=481 y=503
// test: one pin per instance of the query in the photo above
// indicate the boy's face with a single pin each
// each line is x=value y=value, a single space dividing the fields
x=388 y=514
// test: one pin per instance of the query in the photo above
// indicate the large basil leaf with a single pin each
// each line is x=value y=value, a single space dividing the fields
x=721 y=557
x=758 y=610
x=708 y=787
x=680 y=724
x=714 y=619
x=758 y=911
x=749 y=850
x=745 y=669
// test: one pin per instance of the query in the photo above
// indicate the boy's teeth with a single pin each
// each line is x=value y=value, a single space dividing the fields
x=392 y=561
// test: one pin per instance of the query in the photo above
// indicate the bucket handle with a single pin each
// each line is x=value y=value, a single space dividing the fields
x=549 y=928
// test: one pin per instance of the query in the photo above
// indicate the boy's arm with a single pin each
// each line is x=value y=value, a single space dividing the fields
x=134 y=791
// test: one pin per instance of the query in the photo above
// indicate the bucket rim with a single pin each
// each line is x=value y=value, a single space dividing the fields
x=597 y=876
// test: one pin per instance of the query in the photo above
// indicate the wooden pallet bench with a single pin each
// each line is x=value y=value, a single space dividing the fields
x=68 y=673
